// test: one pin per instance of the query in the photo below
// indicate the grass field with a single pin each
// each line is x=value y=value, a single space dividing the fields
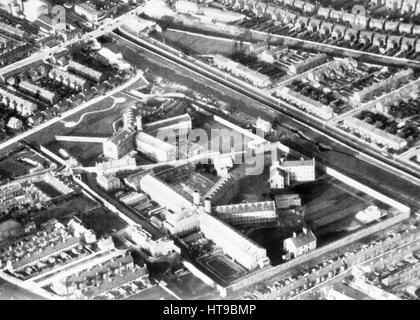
x=86 y=153
x=199 y=45
x=330 y=207
x=64 y=210
x=328 y=200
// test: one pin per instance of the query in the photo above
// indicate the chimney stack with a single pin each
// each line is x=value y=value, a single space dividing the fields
x=139 y=123
x=294 y=234
x=305 y=231
x=207 y=205
x=196 y=198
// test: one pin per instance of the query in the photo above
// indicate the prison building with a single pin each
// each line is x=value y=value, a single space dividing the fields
x=243 y=250
x=119 y=145
x=154 y=148
x=300 y=170
x=225 y=189
x=177 y=124
x=163 y=194
x=247 y=215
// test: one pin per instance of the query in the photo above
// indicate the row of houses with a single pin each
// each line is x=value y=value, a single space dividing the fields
x=357 y=19
x=375 y=134
x=239 y=70
x=368 y=93
x=303 y=102
x=22 y=106
x=11 y=31
x=337 y=24
x=37 y=91
x=284 y=172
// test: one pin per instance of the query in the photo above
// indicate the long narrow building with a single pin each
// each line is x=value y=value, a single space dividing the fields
x=85 y=71
x=243 y=250
x=375 y=134
x=309 y=105
x=24 y=107
x=37 y=91
x=247 y=215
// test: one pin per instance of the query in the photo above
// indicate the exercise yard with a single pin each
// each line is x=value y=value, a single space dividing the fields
x=221 y=267
x=329 y=207
x=328 y=200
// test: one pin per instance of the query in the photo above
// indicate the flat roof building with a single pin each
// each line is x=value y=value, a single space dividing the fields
x=181 y=123
x=164 y=195
x=32 y=9
x=154 y=148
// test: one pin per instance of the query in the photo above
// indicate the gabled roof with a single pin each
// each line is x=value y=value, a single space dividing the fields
x=302 y=239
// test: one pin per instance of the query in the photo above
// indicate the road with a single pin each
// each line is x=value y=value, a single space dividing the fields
x=277 y=107
x=348 y=272
x=69 y=113
x=250 y=35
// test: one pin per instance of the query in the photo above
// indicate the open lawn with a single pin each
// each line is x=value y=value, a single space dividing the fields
x=200 y=45
x=64 y=210
x=328 y=200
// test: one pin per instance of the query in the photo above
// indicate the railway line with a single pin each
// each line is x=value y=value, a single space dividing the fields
x=278 y=107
